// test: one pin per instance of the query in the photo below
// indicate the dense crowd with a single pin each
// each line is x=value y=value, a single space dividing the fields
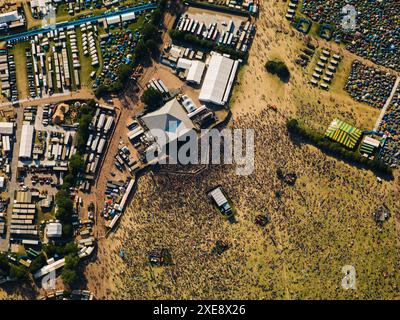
x=293 y=256
x=369 y=85
x=391 y=126
x=377 y=33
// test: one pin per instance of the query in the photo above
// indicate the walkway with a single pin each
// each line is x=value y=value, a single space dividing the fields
x=388 y=101
x=73 y=23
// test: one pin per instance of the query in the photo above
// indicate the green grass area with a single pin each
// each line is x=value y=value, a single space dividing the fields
x=20 y=60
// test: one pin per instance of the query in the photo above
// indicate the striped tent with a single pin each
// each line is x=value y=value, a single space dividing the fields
x=343 y=133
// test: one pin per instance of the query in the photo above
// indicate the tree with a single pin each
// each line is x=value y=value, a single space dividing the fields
x=153 y=48
x=19 y=273
x=142 y=53
x=150 y=32
x=69 y=276
x=101 y=90
x=279 y=68
x=37 y=263
x=75 y=165
x=71 y=261
x=124 y=72
x=4 y=264
x=152 y=98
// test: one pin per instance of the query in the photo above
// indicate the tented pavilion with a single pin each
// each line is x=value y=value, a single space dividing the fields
x=343 y=133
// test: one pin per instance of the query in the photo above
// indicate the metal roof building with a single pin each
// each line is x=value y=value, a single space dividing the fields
x=184 y=63
x=9 y=17
x=25 y=147
x=219 y=79
x=196 y=71
x=54 y=230
x=128 y=16
x=113 y=20
x=6 y=128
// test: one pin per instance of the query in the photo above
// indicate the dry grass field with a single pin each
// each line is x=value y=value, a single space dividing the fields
x=322 y=223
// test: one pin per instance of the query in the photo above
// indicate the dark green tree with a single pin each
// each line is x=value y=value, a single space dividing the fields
x=152 y=98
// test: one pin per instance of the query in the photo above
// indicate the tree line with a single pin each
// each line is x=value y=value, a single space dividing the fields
x=326 y=145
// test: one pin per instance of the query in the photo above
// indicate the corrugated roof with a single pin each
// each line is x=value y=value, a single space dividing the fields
x=128 y=16
x=25 y=147
x=6 y=128
x=196 y=71
x=9 y=17
x=216 y=79
x=218 y=197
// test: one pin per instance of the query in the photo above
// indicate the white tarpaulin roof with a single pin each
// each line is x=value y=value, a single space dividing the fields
x=128 y=16
x=54 y=229
x=219 y=197
x=196 y=71
x=171 y=118
x=113 y=20
x=217 y=79
x=25 y=148
x=184 y=63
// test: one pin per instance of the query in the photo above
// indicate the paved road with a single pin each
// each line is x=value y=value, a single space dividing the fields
x=62 y=25
x=388 y=101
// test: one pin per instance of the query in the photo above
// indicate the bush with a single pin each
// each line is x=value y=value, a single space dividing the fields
x=279 y=68
x=152 y=98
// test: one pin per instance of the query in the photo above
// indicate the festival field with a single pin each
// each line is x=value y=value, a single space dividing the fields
x=322 y=223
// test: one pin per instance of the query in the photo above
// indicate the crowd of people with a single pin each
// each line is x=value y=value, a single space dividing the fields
x=391 y=126
x=322 y=222
x=376 y=35
x=369 y=85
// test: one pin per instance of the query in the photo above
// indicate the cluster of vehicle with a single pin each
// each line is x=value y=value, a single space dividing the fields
x=30 y=71
x=47 y=112
x=124 y=158
x=42 y=180
x=30 y=113
x=306 y=55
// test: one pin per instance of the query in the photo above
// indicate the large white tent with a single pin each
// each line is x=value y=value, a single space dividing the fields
x=25 y=147
x=196 y=71
x=171 y=118
x=219 y=79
